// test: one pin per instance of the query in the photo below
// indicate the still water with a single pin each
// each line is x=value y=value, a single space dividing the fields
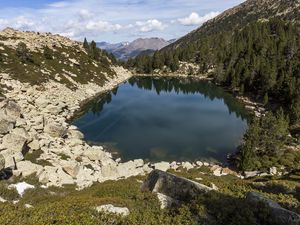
x=165 y=119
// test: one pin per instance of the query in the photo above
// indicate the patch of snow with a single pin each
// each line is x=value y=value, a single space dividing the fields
x=21 y=187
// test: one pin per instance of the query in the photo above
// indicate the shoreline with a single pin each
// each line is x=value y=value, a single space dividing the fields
x=62 y=153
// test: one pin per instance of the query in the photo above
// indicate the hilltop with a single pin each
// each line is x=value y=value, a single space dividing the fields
x=45 y=57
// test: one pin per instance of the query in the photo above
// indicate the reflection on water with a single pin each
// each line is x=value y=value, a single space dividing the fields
x=166 y=119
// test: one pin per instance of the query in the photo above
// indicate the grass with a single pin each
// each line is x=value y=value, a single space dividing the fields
x=225 y=206
x=34 y=158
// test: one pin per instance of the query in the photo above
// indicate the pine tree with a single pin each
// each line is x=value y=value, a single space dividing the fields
x=86 y=44
x=23 y=53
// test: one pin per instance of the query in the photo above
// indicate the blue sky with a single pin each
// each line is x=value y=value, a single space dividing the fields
x=111 y=20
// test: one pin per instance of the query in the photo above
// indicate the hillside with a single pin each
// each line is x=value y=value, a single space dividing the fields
x=252 y=49
x=47 y=57
x=126 y=50
x=240 y=16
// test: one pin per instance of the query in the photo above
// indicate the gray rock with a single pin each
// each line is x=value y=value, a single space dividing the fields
x=249 y=174
x=187 y=165
x=34 y=145
x=55 y=130
x=122 y=211
x=163 y=166
x=11 y=158
x=173 y=186
x=27 y=168
x=12 y=110
x=6 y=126
x=75 y=134
x=273 y=170
x=279 y=214
x=70 y=167
x=14 y=143
x=42 y=102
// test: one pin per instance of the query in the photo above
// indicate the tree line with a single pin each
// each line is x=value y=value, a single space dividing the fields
x=263 y=59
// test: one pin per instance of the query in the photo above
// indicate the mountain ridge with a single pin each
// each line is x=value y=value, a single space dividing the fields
x=126 y=50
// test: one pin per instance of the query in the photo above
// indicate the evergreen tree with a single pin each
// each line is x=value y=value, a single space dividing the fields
x=23 y=53
x=86 y=44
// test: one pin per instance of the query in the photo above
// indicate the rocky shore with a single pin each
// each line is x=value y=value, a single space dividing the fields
x=36 y=137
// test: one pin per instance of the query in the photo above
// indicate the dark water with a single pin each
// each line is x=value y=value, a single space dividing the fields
x=166 y=119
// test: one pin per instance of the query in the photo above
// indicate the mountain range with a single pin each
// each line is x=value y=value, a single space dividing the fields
x=125 y=50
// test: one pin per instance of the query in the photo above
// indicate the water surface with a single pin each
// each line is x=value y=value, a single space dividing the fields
x=165 y=119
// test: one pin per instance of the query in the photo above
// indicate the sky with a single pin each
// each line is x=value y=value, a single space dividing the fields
x=112 y=21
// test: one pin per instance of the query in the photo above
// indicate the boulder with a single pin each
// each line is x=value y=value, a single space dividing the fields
x=27 y=168
x=187 y=165
x=6 y=126
x=85 y=177
x=11 y=158
x=55 y=130
x=14 y=143
x=22 y=133
x=110 y=171
x=163 y=166
x=279 y=214
x=175 y=187
x=55 y=176
x=52 y=109
x=42 y=102
x=70 y=167
x=131 y=168
x=96 y=154
x=249 y=174
x=34 y=145
x=75 y=134
x=166 y=201
x=199 y=163
x=12 y=111
x=273 y=170
x=74 y=142
x=122 y=211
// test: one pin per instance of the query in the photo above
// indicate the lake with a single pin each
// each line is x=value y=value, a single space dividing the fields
x=158 y=119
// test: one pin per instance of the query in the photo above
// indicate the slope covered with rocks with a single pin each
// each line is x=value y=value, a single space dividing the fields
x=37 y=102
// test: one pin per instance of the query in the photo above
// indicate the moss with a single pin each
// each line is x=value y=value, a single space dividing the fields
x=34 y=158
x=64 y=156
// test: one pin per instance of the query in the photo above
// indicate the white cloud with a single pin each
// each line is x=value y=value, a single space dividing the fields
x=195 y=19
x=85 y=14
x=150 y=25
x=102 y=19
x=102 y=26
x=61 y=4
x=23 y=23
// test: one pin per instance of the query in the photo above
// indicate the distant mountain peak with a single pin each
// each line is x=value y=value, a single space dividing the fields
x=126 y=50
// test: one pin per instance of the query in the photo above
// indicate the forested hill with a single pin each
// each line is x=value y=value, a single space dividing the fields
x=253 y=48
x=248 y=12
